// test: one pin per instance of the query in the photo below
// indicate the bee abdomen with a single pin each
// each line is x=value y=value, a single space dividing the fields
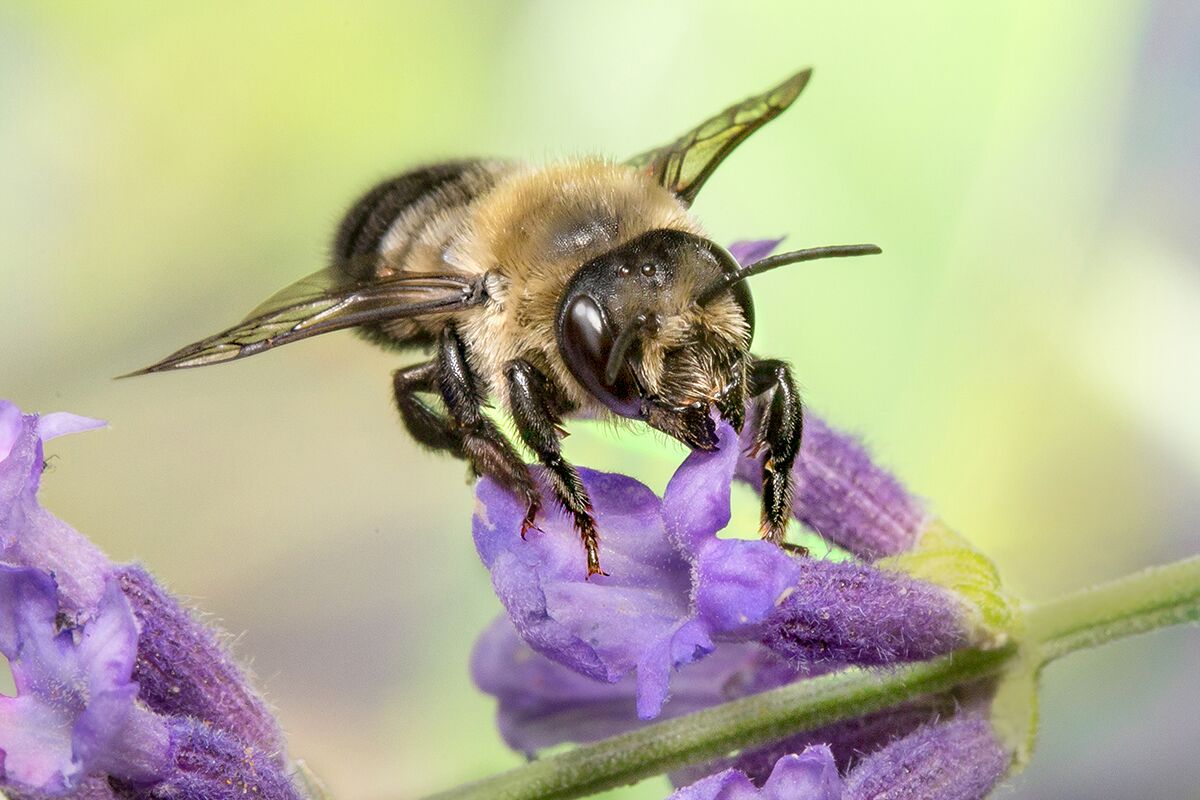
x=396 y=212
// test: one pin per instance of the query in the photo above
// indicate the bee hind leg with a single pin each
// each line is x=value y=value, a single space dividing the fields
x=780 y=425
x=465 y=430
x=535 y=409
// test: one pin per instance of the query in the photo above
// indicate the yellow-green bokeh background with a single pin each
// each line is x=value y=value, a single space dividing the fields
x=1025 y=354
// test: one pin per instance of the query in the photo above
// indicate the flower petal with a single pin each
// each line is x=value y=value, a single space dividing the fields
x=60 y=423
x=184 y=669
x=695 y=505
x=811 y=775
x=542 y=703
x=604 y=627
x=747 y=251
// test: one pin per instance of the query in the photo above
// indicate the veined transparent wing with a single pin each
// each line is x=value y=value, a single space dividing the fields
x=322 y=302
x=686 y=163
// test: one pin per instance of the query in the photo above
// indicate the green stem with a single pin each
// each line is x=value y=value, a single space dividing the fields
x=1150 y=599
x=1145 y=601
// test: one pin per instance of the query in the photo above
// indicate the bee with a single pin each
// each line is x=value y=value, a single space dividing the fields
x=582 y=288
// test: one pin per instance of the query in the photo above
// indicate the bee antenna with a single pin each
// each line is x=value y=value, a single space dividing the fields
x=795 y=256
x=642 y=323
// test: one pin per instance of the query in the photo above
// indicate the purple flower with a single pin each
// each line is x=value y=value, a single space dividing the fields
x=118 y=684
x=676 y=589
x=75 y=713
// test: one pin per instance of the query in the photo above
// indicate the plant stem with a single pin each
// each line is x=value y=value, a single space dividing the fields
x=715 y=731
x=1151 y=599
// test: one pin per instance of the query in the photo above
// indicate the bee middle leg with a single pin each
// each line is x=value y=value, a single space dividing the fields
x=780 y=425
x=465 y=430
x=534 y=407
x=427 y=425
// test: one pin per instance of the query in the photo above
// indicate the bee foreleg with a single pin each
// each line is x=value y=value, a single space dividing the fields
x=481 y=443
x=780 y=425
x=534 y=409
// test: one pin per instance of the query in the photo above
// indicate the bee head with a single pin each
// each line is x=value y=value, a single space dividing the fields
x=642 y=330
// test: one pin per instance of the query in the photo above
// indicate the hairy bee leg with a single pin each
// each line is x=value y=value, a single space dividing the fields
x=482 y=444
x=780 y=425
x=535 y=410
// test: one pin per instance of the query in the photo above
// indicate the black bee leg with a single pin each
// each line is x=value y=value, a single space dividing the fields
x=780 y=425
x=481 y=443
x=428 y=426
x=535 y=409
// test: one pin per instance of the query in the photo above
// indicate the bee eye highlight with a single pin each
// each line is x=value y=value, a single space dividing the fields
x=586 y=342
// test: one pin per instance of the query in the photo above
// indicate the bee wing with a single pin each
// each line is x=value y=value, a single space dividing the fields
x=686 y=163
x=322 y=303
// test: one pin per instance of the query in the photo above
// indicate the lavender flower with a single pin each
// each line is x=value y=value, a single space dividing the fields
x=75 y=712
x=676 y=589
x=121 y=691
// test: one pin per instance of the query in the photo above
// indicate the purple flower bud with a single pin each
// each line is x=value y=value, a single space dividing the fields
x=956 y=760
x=842 y=495
x=851 y=613
x=210 y=764
x=811 y=775
x=183 y=667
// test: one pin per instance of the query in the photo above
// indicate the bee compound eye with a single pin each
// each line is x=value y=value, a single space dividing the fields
x=586 y=341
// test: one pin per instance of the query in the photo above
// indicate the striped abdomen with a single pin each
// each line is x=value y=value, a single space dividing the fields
x=406 y=224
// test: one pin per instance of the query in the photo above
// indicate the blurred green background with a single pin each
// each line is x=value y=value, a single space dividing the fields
x=1025 y=354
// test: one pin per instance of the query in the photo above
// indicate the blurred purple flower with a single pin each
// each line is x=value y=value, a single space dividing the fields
x=676 y=589
x=118 y=685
